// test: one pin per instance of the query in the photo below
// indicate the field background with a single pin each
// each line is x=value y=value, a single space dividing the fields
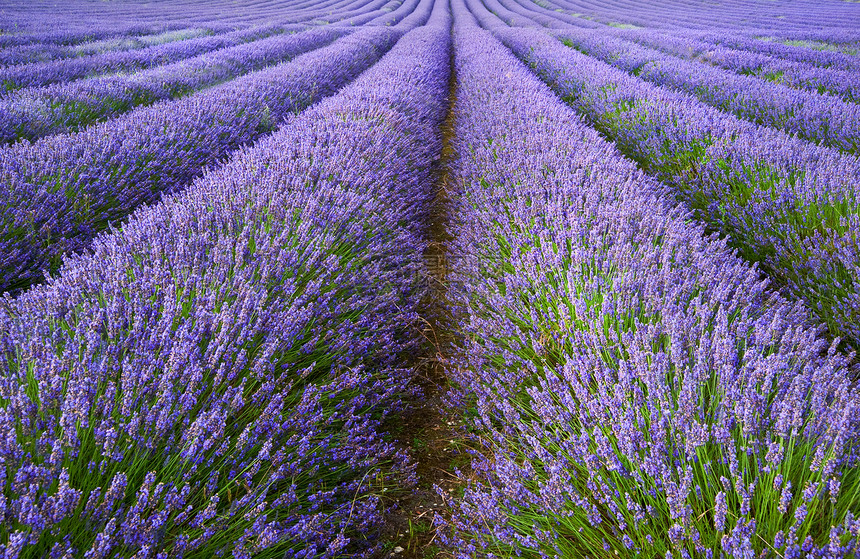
x=429 y=278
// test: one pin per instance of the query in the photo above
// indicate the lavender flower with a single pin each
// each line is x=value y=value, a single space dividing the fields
x=786 y=203
x=41 y=111
x=610 y=342
x=243 y=342
x=60 y=192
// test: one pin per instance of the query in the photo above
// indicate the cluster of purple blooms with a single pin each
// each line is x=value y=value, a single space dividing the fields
x=44 y=52
x=211 y=379
x=637 y=390
x=795 y=17
x=59 y=192
x=67 y=70
x=820 y=118
x=786 y=203
x=801 y=75
x=214 y=297
x=36 y=112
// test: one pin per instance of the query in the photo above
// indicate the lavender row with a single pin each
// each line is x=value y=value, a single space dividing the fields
x=636 y=389
x=355 y=14
x=820 y=37
x=794 y=74
x=823 y=119
x=368 y=12
x=323 y=13
x=848 y=43
x=788 y=204
x=212 y=379
x=231 y=354
x=27 y=54
x=67 y=36
x=407 y=9
x=515 y=18
x=547 y=17
x=532 y=15
x=732 y=16
x=60 y=192
x=34 y=113
x=60 y=71
x=82 y=21
x=824 y=59
x=419 y=12
x=842 y=83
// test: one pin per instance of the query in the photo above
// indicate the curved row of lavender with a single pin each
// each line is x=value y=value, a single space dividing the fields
x=735 y=15
x=689 y=44
x=42 y=49
x=80 y=21
x=58 y=193
x=319 y=13
x=517 y=15
x=406 y=9
x=110 y=25
x=44 y=52
x=834 y=22
x=69 y=69
x=37 y=112
x=820 y=41
x=359 y=13
x=420 y=15
x=835 y=40
x=62 y=71
x=823 y=59
x=210 y=381
x=843 y=83
x=366 y=13
x=636 y=389
x=71 y=37
x=546 y=15
x=820 y=118
x=786 y=203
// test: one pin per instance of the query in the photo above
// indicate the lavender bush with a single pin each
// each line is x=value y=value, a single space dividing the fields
x=786 y=203
x=824 y=59
x=60 y=71
x=843 y=83
x=60 y=192
x=819 y=118
x=41 y=111
x=635 y=388
x=41 y=52
x=211 y=379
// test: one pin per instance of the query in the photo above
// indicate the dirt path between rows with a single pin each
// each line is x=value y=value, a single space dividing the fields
x=427 y=431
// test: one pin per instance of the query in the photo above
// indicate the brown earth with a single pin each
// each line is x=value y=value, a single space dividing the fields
x=428 y=432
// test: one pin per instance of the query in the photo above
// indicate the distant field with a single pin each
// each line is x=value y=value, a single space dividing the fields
x=429 y=278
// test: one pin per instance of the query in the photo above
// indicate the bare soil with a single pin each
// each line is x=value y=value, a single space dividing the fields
x=429 y=433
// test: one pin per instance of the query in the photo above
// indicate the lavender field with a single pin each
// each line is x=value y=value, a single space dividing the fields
x=429 y=278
